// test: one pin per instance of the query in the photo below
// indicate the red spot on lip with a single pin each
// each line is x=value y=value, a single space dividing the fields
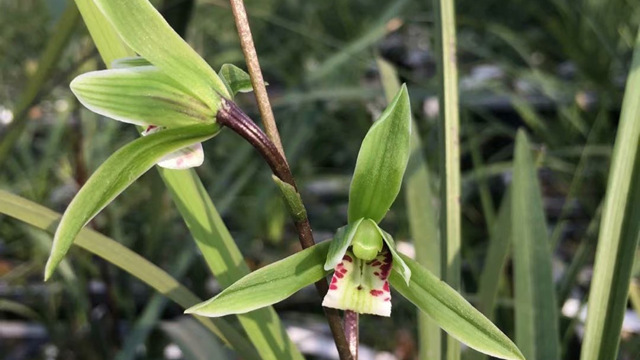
x=386 y=287
x=339 y=275
x=343 y=270
x=347 y=258
x=375 y=263
x=376 y=292
x=340 y=265
x=387 y=299
x=334 y=280
x=359 y=287
x=333 y=287
x=376 y=273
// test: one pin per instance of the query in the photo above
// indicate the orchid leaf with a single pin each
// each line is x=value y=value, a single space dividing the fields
x=382 y=160
x=114 y=176
x=453 y=313
x=236 y=79
x=268 y=285
x=398 y=263
x=140 y=95
x=145 y=31
x=340 y=243
x=129 y=62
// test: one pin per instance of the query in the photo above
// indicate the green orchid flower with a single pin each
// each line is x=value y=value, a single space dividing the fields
x=363 y=257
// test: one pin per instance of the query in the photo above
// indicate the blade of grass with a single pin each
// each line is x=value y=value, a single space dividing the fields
x=619 y=230
x=112 y=251
x=536 y=310
x=449 y=138
x=212 y=237
x=48 y=60
x=423 y=221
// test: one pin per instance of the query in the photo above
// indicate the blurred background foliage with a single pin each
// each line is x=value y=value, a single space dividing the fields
x=556 y=67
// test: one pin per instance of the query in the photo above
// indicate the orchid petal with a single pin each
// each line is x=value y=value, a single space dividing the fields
x=361 y=286
x=141 y=95
x=185 y=158
x=340 y=243
x=399 y=263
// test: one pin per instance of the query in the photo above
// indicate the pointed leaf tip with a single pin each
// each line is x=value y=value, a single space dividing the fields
x=382 y=161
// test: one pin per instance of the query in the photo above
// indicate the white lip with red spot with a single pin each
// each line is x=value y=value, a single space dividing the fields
x=186 y=158
x=360 y=285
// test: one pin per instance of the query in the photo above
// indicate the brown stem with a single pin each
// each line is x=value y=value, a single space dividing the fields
x=232 y=117
x=255 y=72
x=351 y=331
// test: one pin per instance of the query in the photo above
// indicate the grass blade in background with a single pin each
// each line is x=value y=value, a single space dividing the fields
x=619 y=230
x=422 y=216
x=263 y=326
x=449 y=139
x=193 y=340
x=536 y=311
x=50 y=57
x=112 y=251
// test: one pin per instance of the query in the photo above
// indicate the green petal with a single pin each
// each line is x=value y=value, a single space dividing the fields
x=142 y=27
x=114 y=176
x=236 y=79
x=398 y=262
x=268 y=285
x=140 y=95
x=340 y=243
x=382 y=161
x=453 y=313
x=361 y=286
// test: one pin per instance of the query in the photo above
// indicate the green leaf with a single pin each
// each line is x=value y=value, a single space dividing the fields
x=129 y=62
x=268 y=285
x=236 y=79
x=398 y=263
x=193 y=340
x=536 y=309
x=114 y=176
x=382 y=161
x=142 y=27
x=340 y=243
x=118 y=255
x=142 y=96
x=292 y=199
x=453 y=313
x=619 y=230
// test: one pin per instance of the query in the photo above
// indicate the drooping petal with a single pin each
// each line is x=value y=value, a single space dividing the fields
x=186 y=158
x=141 y=95
x=340 y=243
x=361 y=286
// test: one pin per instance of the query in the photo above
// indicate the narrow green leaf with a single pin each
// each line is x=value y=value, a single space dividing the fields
x=193 y=340
x=129 y=62
x=292 y=199
x=382 y=161
x=496 y=259
x=619 y=231
x=114 y=176
x=141 y=95
x=142 y=27
x=118 y=255
x=268 y=285
x=236 y=79
x=536 y=310
x=340 y=243
x=453 y=313
x=423 y=222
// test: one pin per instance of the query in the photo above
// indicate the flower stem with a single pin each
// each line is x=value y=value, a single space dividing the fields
x=234 y=118
x=351 y=331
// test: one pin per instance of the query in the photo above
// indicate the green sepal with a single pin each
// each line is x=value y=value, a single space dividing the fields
x=129 y=62
x=235 y=79
x=382 y=160
x=398 y=263
x=116 y=174
x=292 y=199
x=453 y=313
x=141 y=95
x=268 y=285
x=340 y=243
x=145 y=31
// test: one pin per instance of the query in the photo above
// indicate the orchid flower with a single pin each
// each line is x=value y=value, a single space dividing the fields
x=363 y=257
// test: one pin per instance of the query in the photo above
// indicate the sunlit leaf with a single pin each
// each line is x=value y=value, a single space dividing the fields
x=115 y=175
x=453 y=313
x=382 y=161
x=268 y=285
x=140 y=95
